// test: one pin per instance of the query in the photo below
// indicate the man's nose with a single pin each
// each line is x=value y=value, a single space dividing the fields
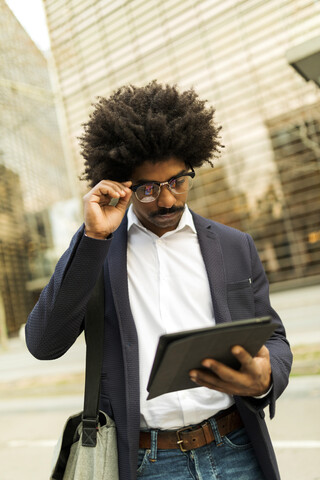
x=166 y=198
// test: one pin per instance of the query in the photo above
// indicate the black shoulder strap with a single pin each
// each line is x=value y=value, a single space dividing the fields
x=94 y=329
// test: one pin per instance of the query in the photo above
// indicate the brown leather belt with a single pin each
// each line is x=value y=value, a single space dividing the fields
x=189 y=438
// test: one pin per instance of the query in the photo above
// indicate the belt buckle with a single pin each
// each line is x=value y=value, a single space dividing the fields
x=180 y=441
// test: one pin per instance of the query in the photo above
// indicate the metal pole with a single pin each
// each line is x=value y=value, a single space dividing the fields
x=3 y=325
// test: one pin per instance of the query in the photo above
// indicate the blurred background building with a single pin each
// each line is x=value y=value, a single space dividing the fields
x=33 y=171
x=235 y=54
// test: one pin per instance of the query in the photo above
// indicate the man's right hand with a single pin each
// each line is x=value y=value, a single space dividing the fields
x=100 y=218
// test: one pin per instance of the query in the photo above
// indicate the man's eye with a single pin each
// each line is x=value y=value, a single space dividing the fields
x=177 y=182
x=180 y=181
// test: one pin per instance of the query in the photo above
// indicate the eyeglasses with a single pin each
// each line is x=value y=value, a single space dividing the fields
x=149 y=192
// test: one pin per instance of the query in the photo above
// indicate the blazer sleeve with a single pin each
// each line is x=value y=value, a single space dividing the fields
x=57 y=318
x=278 y=345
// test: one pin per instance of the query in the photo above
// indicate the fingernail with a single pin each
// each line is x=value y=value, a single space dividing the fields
x=207 y=363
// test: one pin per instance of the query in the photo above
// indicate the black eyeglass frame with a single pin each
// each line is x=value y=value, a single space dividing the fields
x=191 y=174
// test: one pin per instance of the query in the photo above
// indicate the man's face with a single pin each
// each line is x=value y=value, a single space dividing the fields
x=164 y=213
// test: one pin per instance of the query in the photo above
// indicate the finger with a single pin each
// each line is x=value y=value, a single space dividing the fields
x=112 y=189
x=99 y=193
x=263 y=352
x=127 y=184
x=123 y=201
x=108 y=190
x=124 y=187
x=242 y=356
x=204 y=378
x=221 y=370
x=210 y=380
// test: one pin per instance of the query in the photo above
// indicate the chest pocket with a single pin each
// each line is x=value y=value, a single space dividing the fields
x=241 y=299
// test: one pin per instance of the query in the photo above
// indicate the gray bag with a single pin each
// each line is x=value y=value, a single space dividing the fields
x=73 y=461
x=87 y=449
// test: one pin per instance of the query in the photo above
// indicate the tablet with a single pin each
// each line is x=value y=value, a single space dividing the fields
x=178 y=353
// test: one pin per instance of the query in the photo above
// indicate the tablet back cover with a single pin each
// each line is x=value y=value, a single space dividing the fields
x=178 y=353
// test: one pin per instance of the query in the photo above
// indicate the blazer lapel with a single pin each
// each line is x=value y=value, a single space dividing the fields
x=212 y=255
x=117 y=264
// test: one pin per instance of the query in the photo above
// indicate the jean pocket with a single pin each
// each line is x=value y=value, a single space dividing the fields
x=143 y=460
x=237 y=439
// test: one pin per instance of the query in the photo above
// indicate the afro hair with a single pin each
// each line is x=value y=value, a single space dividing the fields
x=150 y=123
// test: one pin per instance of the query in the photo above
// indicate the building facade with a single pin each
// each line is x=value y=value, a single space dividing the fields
x=32 y=168
x=267 y=181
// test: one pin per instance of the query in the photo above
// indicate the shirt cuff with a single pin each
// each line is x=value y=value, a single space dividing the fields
x=103 y=239
x=265 y=394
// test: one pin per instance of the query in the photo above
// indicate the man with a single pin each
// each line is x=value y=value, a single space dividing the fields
x=166 y=269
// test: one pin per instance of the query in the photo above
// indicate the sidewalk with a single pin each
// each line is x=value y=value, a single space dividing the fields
x=20 y=371
x=299 y=310
x=37 y=396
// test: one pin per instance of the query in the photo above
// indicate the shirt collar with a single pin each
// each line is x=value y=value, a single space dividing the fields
x=186 y=221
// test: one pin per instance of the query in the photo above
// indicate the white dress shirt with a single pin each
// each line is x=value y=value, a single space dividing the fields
x=169 y=292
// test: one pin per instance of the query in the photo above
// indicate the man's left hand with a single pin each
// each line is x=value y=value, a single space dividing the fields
x=252 y=379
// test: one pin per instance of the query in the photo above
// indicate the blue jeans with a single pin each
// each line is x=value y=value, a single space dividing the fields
x=228 y=458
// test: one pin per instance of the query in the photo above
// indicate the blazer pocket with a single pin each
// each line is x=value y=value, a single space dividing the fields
x=241 y=299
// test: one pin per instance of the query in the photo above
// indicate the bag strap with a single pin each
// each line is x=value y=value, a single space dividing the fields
x=94 y=330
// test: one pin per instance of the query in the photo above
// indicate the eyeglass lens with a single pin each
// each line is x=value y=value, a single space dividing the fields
x=150 y=191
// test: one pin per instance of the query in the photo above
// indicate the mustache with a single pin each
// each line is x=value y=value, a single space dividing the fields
x=166 y=211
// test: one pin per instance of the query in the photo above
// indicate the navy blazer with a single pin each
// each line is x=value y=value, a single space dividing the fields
x=239 y=289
